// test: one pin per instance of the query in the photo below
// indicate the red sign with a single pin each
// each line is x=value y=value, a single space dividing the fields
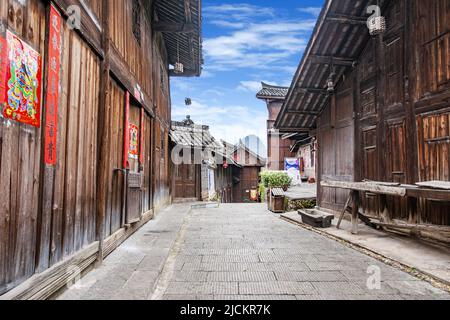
x=133 y=149
x=3 y=59
x=52 y=93
x=22 y=85
x=126 y=132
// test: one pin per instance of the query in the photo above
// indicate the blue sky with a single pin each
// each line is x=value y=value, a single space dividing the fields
x=244 y=42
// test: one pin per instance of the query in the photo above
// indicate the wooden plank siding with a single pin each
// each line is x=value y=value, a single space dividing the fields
x=49 y=214
x=401 y=111
x=20 y=155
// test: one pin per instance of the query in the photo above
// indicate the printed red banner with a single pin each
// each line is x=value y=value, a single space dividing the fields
x=126 y=132
x=52 y=93
x=22 y=83
x=133 y=150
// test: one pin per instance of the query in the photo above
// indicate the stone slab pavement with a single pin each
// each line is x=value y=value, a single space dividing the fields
x=241 y=252
x=429 y=258
x=132 y=270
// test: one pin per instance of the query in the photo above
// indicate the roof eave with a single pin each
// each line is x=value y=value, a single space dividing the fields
x=318 y=27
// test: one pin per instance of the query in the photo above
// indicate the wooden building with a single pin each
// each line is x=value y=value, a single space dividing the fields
x=194 y=163
x=278 y=149
x=87 y=163
x=237 y=173
x=378 y=104
x=225 y=174
x=282 y=145
x=246 y=174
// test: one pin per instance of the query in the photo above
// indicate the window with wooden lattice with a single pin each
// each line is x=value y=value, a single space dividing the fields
x=137 y=20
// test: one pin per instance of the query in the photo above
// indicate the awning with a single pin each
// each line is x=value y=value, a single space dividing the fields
x=340 y=35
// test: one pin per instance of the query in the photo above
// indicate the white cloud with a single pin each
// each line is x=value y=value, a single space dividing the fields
x=253 y=86
x=228 y=24
x=315 y=11
x=258 y=46
x=236 y=12
x=230 y=122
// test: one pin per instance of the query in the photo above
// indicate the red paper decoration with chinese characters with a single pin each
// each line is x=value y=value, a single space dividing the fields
x=52 y=93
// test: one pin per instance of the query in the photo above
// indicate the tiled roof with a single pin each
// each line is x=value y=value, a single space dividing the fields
x=269 y=91
x=188 y=134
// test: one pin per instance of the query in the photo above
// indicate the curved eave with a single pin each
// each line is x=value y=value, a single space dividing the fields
x=340 y=33
x=265 y=97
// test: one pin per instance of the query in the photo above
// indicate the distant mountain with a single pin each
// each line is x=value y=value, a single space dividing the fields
x=255 y=144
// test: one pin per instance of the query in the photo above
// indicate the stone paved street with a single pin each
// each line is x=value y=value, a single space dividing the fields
x=240 y=251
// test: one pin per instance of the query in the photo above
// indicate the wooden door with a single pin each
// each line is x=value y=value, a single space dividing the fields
x=248 y=181
x=336 y=143
x=185 y=181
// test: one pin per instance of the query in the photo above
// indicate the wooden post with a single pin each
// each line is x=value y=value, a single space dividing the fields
x=349 y=199
x=384 y=212
x=104 y=133
x=355 y=211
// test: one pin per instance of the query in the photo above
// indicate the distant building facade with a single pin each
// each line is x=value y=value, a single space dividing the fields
x=282 y=146
x=278 y=149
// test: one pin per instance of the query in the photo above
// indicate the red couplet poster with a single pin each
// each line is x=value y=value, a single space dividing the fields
x=22 y=84
x=52 y=93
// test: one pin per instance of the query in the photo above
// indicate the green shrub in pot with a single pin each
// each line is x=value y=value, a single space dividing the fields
x=276 y=179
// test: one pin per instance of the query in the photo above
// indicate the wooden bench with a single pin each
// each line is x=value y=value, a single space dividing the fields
x=435 y=190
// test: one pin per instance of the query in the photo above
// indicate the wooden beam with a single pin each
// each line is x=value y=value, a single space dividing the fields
x=294 y=129
x=173 y=27
x=365 y=187
x=346 y=19
x=187 y=11
x=355 y=211
x=338 y=61
x=104 y=132
x=303 y=112
x=311 y=90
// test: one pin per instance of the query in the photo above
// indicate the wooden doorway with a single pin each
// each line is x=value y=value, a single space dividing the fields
x=186 y=181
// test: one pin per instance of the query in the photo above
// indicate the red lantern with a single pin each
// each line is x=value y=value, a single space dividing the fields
x=225 y=164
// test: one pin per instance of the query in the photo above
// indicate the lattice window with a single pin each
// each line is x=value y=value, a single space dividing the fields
x=137 y=20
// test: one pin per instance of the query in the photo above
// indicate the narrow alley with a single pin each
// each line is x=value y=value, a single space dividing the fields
x=224 y=254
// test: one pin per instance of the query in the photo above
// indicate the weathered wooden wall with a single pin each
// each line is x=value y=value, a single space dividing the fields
x=50 y=213
x=73 y=190
x=20 y=154
x=224 y=183
x=400 y=95
x=430 y=99
x=336 y=143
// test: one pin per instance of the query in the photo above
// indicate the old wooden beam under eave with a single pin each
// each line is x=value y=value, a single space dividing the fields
x=311 y=90
x=337 y=61
x=294 y=129
x=301 y=112
x=346 y=19
x=173 y=27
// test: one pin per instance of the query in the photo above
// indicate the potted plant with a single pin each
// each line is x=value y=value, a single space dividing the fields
x=274 y=179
